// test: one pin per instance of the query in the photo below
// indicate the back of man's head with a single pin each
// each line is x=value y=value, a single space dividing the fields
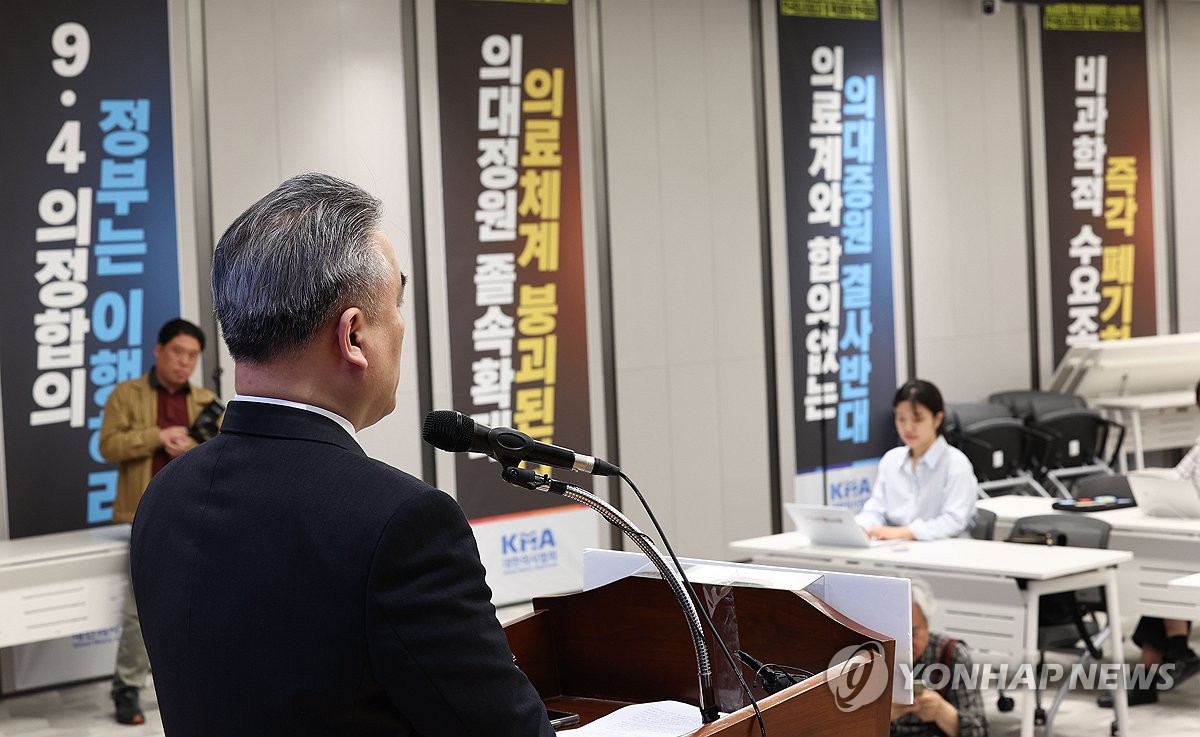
x=174 y=328
x=292 y=261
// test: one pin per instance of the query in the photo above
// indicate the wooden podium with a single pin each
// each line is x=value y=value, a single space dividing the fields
x=628 y=642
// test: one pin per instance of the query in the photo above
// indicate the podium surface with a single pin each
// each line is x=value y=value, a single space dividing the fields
x=627 y=642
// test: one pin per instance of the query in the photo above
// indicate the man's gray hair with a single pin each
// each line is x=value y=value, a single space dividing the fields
x=292 y=261
x=922 y=596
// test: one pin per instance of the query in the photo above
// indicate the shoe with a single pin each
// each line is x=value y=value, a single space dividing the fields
x=1186 y=666
x=1134 y=697
x=128 y=710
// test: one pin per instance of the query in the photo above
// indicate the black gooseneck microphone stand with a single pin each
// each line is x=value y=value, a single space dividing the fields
x=537 y=482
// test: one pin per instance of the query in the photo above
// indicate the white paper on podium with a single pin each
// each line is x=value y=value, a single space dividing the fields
x=879 y=603
x=655 y=719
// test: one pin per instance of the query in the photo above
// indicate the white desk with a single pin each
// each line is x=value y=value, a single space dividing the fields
x=63 y=584
x=1155 y=421
x=1164 y=548
x=987 y=591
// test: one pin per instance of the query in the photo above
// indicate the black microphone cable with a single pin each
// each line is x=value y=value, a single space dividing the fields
x=737 y=671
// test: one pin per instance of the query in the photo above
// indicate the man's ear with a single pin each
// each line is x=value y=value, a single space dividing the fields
x=349 y=333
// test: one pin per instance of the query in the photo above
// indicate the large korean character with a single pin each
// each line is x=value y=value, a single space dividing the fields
x=1082 y=325
x=825 y=203
x=501 y=58
x=856 y=285
x=824 y=302
x=537 y=309
x=824 y=255
x=494 y=331
x=491 y=382
x=856 y=333
x=495 y=279
x=1085 y=286
x=1091 y=74
x=496 y=214
x=860 y=97
x=542 y=144
x=60 y=396
x=827 y=67
x=540 y=246
x=1087 y=194
x=821 y=344
x=533 y=412
x=67 y=216
x=540 y=193
x=544 y=92
x=1117 y=264
x=63 y=276
x=118 y=317
x=827 y=158
x=1086 y=245
x=826 y=113
x=1120 y=207
x=111 y=367
x=858 y=140
x=125 y=115
x=1091 y=115
x=854 y=421
x=1089 y=152
x=538 y=360
x=820 y=399
x=500 y=110
x=1119 y=299
x=855 y=374
x=857 y=238
x=60 y=335
x=119 y=251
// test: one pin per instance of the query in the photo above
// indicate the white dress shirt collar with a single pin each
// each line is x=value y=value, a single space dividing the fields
x=345 y=424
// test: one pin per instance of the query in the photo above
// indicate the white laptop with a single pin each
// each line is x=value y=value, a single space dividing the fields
x=1160 y=492
x=829 y=526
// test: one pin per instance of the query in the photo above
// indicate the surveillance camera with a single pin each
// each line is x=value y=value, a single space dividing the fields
x=989 y=7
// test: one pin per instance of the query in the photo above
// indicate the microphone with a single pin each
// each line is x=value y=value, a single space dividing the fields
x=773 y=679
x=454 y=432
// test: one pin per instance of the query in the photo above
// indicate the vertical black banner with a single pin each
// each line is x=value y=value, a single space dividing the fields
x=514 y=233
x=90 y=262
x=1098 y=173
x=839 y=238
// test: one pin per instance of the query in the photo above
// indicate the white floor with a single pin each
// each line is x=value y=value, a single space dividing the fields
x=86 y=711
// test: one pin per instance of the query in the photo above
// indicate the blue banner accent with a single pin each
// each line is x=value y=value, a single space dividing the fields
x=90 y=270
x=838 y=231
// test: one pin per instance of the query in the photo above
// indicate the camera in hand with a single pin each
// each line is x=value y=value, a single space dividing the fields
x=207 y=422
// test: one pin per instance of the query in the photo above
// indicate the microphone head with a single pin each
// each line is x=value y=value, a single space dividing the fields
x=448 y=430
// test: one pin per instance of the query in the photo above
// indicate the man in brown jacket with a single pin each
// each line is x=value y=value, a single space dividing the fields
x=146 y=424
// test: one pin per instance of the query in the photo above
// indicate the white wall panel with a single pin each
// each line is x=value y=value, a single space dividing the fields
x=1182 y=32
x=966 y=195
x=686 y=265
x=314 y=85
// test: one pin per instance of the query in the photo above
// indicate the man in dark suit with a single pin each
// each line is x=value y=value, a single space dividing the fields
x=288 y=584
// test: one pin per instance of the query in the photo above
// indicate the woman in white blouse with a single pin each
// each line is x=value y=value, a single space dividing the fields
x=925 y=489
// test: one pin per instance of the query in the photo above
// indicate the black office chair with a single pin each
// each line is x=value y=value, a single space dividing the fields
x=984 y=527
x=1021 y=403
x=1081 y=444
x=1068 y=622
x=1003 y=451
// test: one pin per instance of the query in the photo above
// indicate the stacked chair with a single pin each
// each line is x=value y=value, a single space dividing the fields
x=1027 y=441
x=1002 y=449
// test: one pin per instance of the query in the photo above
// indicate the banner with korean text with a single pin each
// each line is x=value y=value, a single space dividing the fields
x=1098 y=173
x=510 y=162
x=90 y=262
x=839 y=244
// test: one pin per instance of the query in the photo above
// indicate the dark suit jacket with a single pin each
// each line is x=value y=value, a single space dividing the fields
x=290 y=585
